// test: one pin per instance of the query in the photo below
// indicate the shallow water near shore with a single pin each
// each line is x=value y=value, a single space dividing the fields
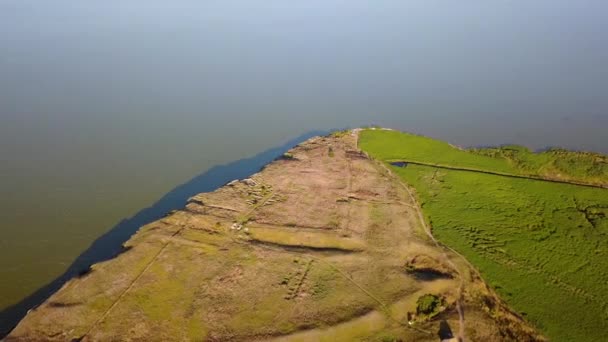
x=107 y=106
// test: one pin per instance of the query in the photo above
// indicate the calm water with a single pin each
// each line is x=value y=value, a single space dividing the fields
x=107 y=105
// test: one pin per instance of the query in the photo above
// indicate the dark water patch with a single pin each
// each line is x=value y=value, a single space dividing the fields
x=399 y=164
x=110 y=244
x=429 y=275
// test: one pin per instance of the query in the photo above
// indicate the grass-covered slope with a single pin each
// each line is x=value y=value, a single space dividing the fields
x=321 y=245
x=558 y=164
x=395 y=145
x=586 y=167
x=542 y=245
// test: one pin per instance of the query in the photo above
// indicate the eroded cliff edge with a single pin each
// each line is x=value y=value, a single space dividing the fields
x=322 y=243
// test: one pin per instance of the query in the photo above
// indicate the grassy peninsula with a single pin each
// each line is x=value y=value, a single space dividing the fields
x=534 y=224
x=323 y=244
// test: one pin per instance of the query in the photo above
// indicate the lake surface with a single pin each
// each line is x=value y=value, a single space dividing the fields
x=105 y=106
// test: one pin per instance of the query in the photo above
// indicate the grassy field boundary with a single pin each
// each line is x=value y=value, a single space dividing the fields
x=496 y=173
x=583 y=168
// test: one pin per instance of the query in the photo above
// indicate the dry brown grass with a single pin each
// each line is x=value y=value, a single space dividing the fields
x=313 y=248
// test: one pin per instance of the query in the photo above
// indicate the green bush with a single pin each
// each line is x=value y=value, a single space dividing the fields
x=428 y=304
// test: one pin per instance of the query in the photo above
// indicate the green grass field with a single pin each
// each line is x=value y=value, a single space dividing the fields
x=559 y=164
x=543 y=246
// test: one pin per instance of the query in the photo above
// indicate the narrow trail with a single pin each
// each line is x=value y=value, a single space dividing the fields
x=427 y=230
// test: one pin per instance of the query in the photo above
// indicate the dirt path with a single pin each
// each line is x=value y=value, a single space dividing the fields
x=427 y=230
